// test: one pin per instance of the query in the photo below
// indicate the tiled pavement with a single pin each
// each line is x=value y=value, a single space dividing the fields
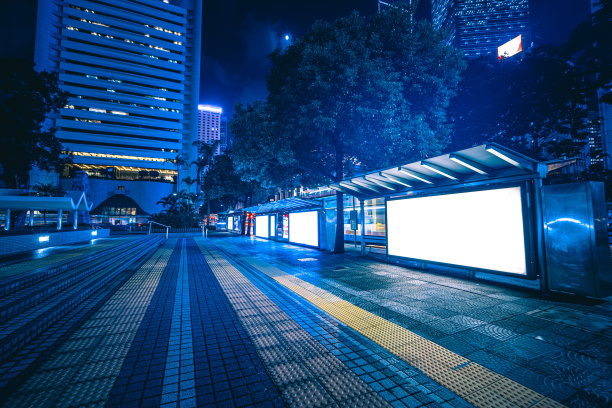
x=244 y=322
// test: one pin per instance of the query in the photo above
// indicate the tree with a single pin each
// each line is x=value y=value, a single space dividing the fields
x=357 y=91
x=47 y=190
x=27 y=98
x=190 y=182
x=178 y=210
x=536 y=104
x=206 y=153
x=179 y=162
x=206 y=156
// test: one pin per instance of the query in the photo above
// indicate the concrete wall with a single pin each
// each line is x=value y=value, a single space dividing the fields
x=22 y=243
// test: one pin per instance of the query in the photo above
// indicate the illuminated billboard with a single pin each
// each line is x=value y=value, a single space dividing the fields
x=512 y=47
x=479 y=229
x=273 y=226
x=304 y=228
x=262 y=229
x=230 y=223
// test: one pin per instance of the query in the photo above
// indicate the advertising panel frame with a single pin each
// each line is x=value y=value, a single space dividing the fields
x=529 y=232
x=272 y=227
x=318 y=211
x=267 y=217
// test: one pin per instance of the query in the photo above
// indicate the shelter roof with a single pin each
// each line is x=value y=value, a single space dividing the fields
x=482 y=163
x=46 y=203
x=287 y=204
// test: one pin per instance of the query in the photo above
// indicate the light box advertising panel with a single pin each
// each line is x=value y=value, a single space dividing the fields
x=261 y=226
x=230 y=223
x=273 y=226
x=511 y=48
x=304 y=228
x=480 y=229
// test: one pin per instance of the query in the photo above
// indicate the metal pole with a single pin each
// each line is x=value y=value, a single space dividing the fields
x=7 y=224
x=541 y=245
x=167 y=232
x=149 y=228
x=362 y=207
x=31 y=218
x=76 y=219
x=355 y=232
x=59 y=219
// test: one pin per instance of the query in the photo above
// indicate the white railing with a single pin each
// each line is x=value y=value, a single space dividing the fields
x=161 y=225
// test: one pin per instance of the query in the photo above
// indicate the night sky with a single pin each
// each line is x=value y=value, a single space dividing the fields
x=239 y=34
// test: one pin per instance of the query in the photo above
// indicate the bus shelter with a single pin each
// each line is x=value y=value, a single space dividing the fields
x=292 y=220
x=485 y=210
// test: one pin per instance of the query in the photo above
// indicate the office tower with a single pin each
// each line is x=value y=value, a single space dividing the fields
x=209 y=125
x=479 y=27
x=225 y=135
x=131 y=68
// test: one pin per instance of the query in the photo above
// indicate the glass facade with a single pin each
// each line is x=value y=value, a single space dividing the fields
x=131 y=68
x=375 y=223
x=478 y=27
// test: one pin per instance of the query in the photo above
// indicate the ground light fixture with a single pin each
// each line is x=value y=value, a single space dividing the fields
x=502 y=156
x=43 y=238
x=437 y=169
x=94 y=233
x=415 y=175
x=467 y=164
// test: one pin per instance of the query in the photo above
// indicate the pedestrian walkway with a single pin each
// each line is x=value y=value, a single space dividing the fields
x=243 y=322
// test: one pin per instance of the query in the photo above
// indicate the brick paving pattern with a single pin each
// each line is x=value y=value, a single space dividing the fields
x=242 y=322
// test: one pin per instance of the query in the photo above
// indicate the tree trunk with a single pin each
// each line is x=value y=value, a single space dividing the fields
x=339 y=243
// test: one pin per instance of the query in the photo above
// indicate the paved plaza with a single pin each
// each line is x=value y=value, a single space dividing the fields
x=242 y=322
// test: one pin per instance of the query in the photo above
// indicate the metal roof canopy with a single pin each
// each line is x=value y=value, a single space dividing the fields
x=491 y=162
x=46 y=203
x=288 y=204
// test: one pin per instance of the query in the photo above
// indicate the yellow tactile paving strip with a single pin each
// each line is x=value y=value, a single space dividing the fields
x=83 y=370
x=31 y=264
x=471 y=381
x=306 y=373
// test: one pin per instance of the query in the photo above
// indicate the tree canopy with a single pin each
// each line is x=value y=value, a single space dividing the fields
x=27 y=98
x=354 y=94
x=536 y=105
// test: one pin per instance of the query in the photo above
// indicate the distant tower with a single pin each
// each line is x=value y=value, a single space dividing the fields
x=225 y=136
x=209 y=125
x=132 y=70
x=478 y=27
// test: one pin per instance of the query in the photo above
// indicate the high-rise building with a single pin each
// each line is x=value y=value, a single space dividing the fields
x=209 y=125
x=226 y=141
x=479 y=27
x=131 y=68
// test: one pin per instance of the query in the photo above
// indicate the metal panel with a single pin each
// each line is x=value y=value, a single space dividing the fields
x=575 y=228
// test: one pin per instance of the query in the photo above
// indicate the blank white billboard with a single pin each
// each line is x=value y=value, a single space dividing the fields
x=512 y=47
x=304 y=228
x=273 y=226
x=480 y=229
x=262 y=230
x=230 y=223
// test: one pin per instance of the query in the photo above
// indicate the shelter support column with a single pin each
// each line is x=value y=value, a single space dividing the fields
x=539 y=223
x=31 y=220
x=362 y=207
x=59 y=219
x=7 y=224
x=76 y=219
